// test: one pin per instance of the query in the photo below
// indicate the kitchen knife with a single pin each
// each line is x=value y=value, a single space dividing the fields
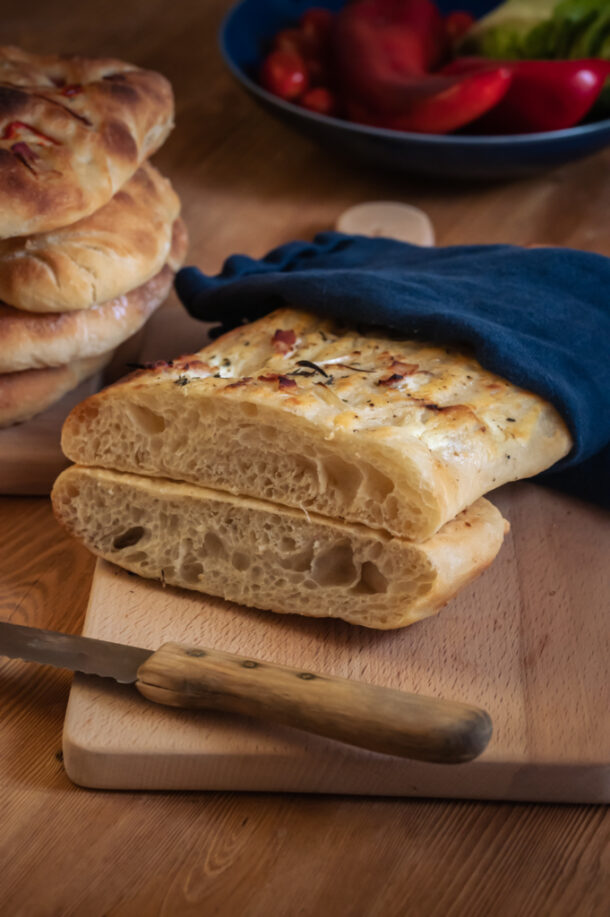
x=380 y=719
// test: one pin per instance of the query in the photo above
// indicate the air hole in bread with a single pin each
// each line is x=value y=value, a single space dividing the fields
x=190 y=573
x=378 y=485
x=301 y=466
x=335 y=566
x=250 y=410
x=214 y=546
x=287 y=545
x=372 y=581
x=240 y=560
x=299 y=562
x=342 y=476
x=265 y=431
x=128 y=538
x=146 y=419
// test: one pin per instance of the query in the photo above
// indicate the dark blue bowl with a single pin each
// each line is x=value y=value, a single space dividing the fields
x=244 y=36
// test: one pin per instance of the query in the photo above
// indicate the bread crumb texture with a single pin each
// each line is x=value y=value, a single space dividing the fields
x=397 y=435
x=269 y=557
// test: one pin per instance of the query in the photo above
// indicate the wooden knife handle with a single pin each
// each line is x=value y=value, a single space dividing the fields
x=380 y=719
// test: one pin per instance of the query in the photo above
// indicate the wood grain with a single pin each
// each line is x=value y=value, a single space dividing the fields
x=247 y=184
x=528 y=642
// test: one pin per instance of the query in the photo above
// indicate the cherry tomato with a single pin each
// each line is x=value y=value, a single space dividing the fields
x=316 y=23
x=320 y=100
x=294 y=41
x=284 y=74
x=457 y=24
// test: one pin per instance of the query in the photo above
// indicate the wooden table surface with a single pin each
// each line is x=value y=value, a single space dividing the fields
x=247 y=184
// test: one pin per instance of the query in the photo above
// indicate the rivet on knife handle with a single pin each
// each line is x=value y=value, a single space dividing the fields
x=380 y=719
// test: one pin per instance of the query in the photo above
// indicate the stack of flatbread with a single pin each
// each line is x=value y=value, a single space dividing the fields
x=90 y=234
x=298 y=466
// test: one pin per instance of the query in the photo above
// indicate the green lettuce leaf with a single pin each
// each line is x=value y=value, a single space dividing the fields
x=501 y=33
x=542 y=29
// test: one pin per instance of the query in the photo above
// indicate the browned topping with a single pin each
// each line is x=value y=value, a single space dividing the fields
x=391 y=380
x=240 y=382
x=406 y=369
x=458 y=409
x=26 y=154
x=16 y=129
x=191 y=364
x=285 y=382
x=283 y=341
x=282 y=381
x=74 y=90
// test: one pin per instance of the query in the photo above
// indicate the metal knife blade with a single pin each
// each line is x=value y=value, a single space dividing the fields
x=66 y=651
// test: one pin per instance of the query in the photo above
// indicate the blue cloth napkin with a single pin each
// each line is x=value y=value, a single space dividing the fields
x=539 y=317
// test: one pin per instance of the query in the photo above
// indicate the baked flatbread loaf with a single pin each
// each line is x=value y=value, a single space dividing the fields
x=272 y=557
x=102 y=256
x=394 y=434
x=23 y=395
x=72 y=132
x=32 y=341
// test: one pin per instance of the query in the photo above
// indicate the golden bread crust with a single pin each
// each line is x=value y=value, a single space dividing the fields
x=32 y=341
x=98 y=258
x=72 y=132
x=25 y=394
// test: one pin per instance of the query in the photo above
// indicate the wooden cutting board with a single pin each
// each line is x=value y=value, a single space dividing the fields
x=528 y=641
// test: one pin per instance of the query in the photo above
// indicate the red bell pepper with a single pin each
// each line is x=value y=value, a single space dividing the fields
x=437 y=104
x=384 y=52
x=380 y=43
x=543 y=95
